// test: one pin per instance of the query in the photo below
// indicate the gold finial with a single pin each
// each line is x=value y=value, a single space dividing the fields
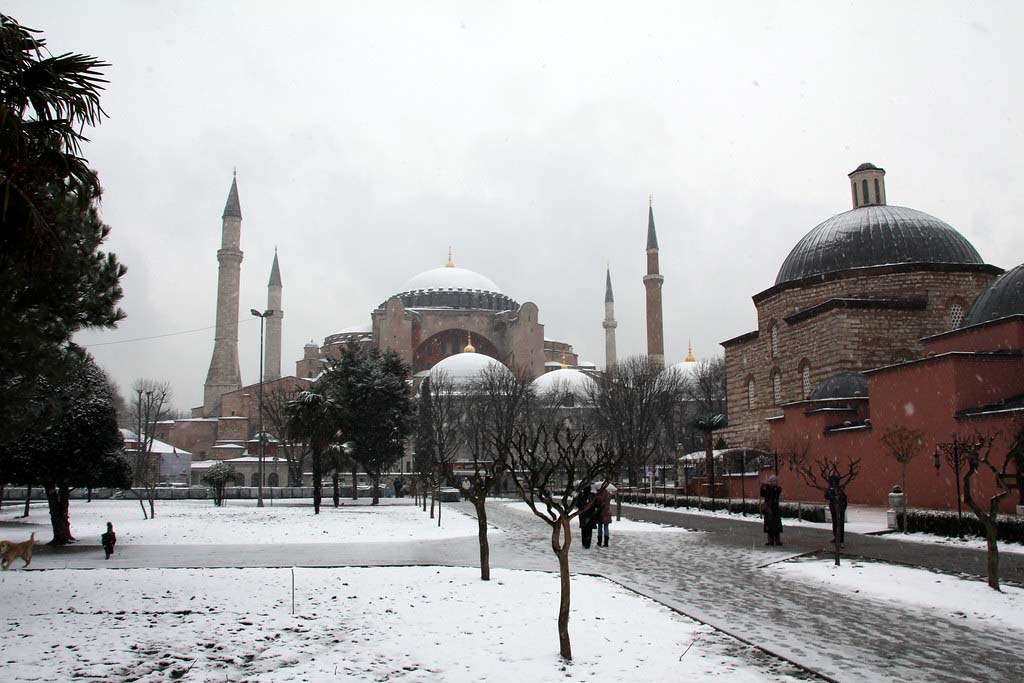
x=650 y=200
x=564 y=364
x=451 y=264
x=469 y=339
x=689 y=356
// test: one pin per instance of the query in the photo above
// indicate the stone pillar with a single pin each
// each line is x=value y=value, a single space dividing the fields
x=224 y=374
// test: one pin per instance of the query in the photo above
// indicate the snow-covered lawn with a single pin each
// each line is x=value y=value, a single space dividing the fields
x=241 y=522
x=356 y=624
x=948 y=595
x=968 y=542
x=616 y=526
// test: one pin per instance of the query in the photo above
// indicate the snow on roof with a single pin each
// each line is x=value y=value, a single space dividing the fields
x=450 y=278
x=204 y=464
x=158 y=445
x=229 y=445
x=255 y=458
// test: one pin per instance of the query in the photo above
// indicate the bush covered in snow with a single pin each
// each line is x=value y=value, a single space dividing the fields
x=944 y=523
x=752 y=506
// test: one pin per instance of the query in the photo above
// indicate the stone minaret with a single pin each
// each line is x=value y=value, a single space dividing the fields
x=653 y=281
x=224 y=375
x=609 y=322
x=272 y=362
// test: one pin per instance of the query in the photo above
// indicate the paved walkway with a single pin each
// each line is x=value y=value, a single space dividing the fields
x=715 y=575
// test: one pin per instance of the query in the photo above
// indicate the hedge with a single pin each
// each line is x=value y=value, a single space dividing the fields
x=943 y=523
x=808 y=512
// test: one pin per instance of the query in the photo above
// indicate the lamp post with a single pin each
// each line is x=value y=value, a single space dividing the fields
x=262 y=316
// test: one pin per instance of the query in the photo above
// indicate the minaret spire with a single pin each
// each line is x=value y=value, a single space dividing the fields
x=653 y=281
x=609 y=321
x=224 y=374
x=272 y=357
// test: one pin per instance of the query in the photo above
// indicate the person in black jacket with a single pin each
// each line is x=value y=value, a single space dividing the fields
x=836 y=497
x=109 y=540
x=588 y=513
x=771 y=495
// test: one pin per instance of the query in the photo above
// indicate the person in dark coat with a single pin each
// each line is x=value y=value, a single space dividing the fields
x=603 y=503
x=771 y=495
x=588 y=513
x=836 y=497
x=109 y=540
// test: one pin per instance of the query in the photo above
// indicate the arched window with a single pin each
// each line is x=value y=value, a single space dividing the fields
x=776 y=387
x=864 y=190
x=750 y=393
x=956 y=316
x=878 y=192
x=273 y=480
x=774 y=332
x=255 y=480
x=805 y=380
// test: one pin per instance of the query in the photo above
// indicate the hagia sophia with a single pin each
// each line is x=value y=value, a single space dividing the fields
x=879 y=315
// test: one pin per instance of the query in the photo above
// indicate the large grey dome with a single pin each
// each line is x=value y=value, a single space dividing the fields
x=875 y=236
x=1005 y=296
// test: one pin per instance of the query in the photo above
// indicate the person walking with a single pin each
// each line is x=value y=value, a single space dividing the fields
x=587 y=506
x=835 y=494
x=771 y=496
x=603 y=503
x=109 y=540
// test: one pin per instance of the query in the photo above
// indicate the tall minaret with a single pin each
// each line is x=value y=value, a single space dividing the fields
x=653 y=281
x=609 y=322
x=224 y=375
x=272 y=359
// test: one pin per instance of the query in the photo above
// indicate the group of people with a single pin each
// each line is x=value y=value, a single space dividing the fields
x=771 y=498
x=595 y=506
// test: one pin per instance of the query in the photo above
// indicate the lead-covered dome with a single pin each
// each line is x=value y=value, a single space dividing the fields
x=564 y=380
x=1004 y=297
x=450 y=277
x=843 y=385
x=875 y=236
x=453 y=287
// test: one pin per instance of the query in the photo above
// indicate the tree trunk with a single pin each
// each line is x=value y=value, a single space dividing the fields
x=485 y=550
x=142 y=505
x=439 y=504
x=57 y=497
x=28 y=499
x=87 y=500
x=151 y=494
x=906 y=498
x=433 y=498
x=993 y=552
x=562 y=552
x=618 y=507
x=376 y=489
x=317 y=484
x=355 y=482
x=334 y=481
x=709 y=455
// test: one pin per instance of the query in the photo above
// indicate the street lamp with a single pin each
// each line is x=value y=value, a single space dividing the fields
x=262 y=316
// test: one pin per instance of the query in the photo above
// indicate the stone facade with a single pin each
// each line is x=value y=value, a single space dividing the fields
x=844 y=322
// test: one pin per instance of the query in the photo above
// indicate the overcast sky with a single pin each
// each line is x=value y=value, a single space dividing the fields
x=528 y=137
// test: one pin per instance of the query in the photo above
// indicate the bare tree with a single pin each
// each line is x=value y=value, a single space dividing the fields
x=826 y=476
x=151 y=406
x=441 y=420
x=546 y=460
x=978 y=456
x=706 y=386
x=276 y=399
x=904 y=445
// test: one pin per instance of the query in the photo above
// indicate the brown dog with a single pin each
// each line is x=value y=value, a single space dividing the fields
x=11 y=551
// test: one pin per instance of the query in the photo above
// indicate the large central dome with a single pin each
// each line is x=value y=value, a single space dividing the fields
x=875 y=236
x=451 y=278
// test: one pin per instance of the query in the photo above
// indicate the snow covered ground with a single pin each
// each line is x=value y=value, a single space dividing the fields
x=356 y=624
x=617 y=526
x=949 y=596
x=241 y=522
x=968 y=542
x=860 y=519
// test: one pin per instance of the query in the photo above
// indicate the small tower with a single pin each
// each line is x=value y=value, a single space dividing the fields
x=867 y=185
x=272 y=359
x=652 y=282
x=224 y=375
x=609 y=323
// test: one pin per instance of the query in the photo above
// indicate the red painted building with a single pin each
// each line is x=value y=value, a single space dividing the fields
x=969 y=383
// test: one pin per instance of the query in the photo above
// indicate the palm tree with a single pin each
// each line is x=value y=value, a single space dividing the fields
x=708 y=424
x=312 y=417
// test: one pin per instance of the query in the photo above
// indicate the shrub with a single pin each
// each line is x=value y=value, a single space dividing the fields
x=806 y=512
x=943 y=523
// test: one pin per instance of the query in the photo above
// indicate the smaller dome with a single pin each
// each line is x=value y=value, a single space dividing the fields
x=688 y=368
x=569 y=380
x=843 y=385
x=867 y=166
x=1004 y=297
x=462 y=369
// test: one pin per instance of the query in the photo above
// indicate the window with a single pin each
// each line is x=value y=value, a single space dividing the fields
x=775 y=340
x=750 y=393
x=956 y=316
x=805 y=380
x=776 y=388
x=255 y=479
x=864 y=190
x=878 y=192
x=272 y=479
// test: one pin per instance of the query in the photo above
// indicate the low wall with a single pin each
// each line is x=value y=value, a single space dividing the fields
x=193 y=493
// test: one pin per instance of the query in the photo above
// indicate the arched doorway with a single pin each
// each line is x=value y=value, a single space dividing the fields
x=272 y=479
x=439 y=346
x=255 y=480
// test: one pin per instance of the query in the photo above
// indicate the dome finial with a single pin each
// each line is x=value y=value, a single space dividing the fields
x=469 y=341
x=689 y=355
x=451 y=264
